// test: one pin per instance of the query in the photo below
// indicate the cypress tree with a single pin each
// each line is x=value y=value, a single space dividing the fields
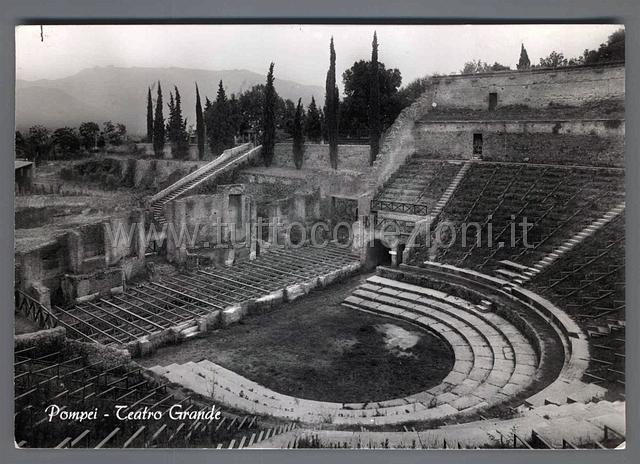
x=221 y=96
x=374 y=103
x=158 y=125
x=298 y=136
x=331 y=107
x=269 y=119
x=180 y=137
x=313 y=122
x=170 y=128
x=524 y=62
x=219 y=128
x=149 y=116
x=199 y=125
x=178 y=108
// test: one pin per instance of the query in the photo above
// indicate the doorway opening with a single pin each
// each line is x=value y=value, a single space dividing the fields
x=400 y=251
x=377 y=255
x=477 y=145
x=493 y=101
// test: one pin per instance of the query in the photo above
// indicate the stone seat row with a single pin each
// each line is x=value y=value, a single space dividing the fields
x=493 y=362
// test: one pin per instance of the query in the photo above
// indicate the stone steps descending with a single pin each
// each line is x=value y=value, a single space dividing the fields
x=571 y=243
x=227 y=160
x=450 y=190
x=418 y=182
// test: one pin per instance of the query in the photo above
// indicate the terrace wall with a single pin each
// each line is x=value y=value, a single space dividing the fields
x=316 y=156
x=583 y=142
x=536 y=88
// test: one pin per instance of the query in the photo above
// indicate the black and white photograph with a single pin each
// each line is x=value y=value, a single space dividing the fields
x=331 y=236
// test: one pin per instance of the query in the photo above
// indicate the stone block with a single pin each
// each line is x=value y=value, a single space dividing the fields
x=145 y=347
x=232 y=315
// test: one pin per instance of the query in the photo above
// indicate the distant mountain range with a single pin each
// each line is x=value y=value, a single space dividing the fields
x=120 y=94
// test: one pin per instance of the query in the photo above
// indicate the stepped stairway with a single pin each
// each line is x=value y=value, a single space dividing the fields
x=419 y=187
x=450 y=190
x=520 y=274
x=598 y=425
x=229 y=159
x=432 y=217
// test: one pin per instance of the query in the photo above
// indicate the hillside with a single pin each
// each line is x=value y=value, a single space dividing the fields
x=119 y=94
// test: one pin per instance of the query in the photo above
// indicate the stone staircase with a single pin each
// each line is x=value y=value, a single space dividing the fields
x=448 y=193
x=612 y=327
x=520 y=274
x=229 y=159
x=426 y=223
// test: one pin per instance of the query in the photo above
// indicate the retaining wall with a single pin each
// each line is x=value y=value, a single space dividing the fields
x=316 y=156
x=537 y=88
x=582 y=142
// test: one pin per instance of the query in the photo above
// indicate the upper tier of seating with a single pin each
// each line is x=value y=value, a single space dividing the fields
x=608 y=109
x=495 y=198
x=420 y=181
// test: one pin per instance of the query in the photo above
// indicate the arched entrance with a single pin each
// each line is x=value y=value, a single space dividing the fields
x=377 y=255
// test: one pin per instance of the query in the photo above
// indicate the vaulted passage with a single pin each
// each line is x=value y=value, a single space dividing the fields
x=377 y=254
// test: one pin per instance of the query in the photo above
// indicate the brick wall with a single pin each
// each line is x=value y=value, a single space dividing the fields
x=587 y=142
x=535 y=88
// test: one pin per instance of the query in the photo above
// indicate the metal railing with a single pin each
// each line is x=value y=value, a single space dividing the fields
x=399 y=207
x=34 y=310
x=226 y=156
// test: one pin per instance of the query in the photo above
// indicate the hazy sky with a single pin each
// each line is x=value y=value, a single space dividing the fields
x=299 y=51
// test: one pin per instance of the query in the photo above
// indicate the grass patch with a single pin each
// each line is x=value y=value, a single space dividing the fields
x=317 y=349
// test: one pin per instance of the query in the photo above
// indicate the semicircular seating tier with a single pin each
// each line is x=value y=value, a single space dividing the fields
x=500 y=357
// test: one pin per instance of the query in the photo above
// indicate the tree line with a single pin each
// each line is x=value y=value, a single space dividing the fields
x=222 y=120
x=40 y=143
x=371 y=103
x=610 y=51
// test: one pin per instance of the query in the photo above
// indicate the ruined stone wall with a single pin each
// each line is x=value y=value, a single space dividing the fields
x=93 y=258
x=398 y=144
x=316 y=156
x=536 y=88
x=158 y=174
x=340 y=183
x=43 y=265
x=582 y=142
x=207 y=221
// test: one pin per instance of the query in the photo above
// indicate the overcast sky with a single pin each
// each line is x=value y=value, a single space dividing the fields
x=299 y=51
